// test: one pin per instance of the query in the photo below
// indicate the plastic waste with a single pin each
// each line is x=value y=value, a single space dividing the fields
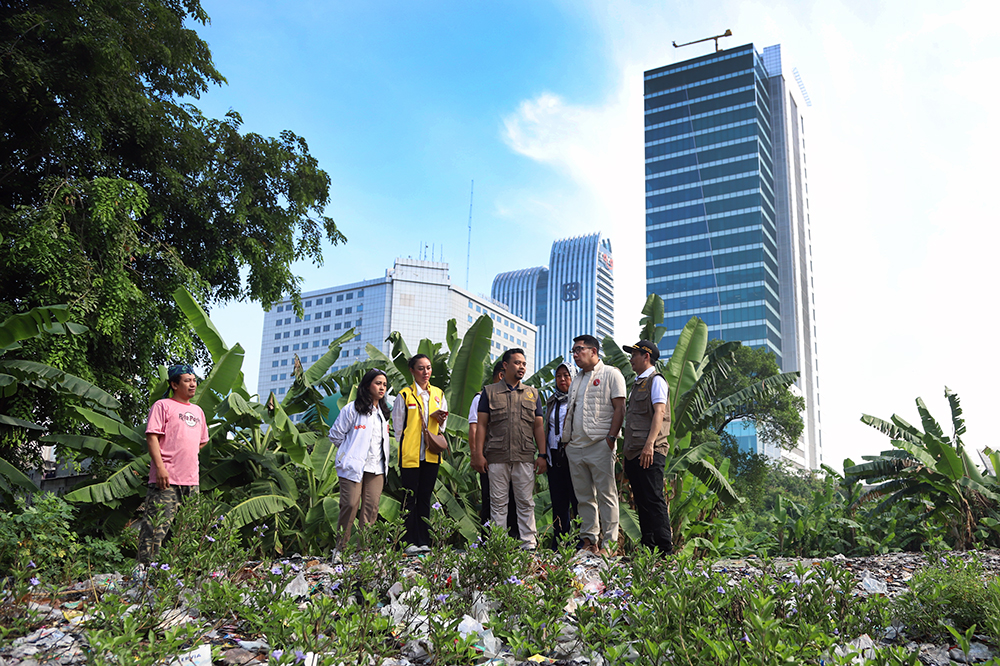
x=872 y=585
x=469 y=625
x=200 y=656
x=298 y=587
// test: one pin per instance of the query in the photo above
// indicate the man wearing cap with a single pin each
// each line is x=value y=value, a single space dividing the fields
x=594 y=417
x=647 y=424
x=175 y=432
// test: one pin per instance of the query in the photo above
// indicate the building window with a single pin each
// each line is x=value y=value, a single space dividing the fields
x=326 y=342
x=298 y=332
x=340 y=297
x=285 y=335
x=281 y=308
x=274 y=364
x=284 y=361
x=277 y=323
x=340 y=311
x=305 y=331
x=327 y=314
x=350 y=296
x=277 y=336
x=497 y=330
x=361 y=292
x=326 y=328
x=316 y=330
x=297 y=319
x=315 y=358
x=309 y=304
x=288 y=320
x=478 y=309
x=361 y=307
x=274 y=378
x=470 y=305
x=283 y=376
x=295 y=347
x=336 y=326
x=284 y=348
x=347 y=310
x=281 y=391
x=276 y=350
x=315 y=343
x=357 y=352
x=470 y=319
x=308 y=317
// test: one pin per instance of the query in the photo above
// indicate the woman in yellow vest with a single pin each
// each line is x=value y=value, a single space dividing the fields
x=417 y=405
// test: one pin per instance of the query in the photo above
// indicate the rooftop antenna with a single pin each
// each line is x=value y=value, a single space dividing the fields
x=468 y=251
x=727 y=33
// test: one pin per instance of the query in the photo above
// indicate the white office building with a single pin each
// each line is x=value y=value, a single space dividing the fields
x=415 y=298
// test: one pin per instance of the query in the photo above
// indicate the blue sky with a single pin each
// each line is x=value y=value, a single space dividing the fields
x=541 y=104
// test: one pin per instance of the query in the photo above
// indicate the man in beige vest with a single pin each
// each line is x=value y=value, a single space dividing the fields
x=647 y=424
x=511 y=444
x=593 y=419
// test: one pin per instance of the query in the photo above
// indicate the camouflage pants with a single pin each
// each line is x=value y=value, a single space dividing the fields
x=161 y=507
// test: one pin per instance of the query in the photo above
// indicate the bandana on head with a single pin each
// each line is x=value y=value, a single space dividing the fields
x=175 y=371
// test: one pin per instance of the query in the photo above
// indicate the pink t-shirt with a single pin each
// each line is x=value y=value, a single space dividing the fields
x=183 y=429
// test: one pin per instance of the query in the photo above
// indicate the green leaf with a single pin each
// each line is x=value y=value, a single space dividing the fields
x=123 y=483
x=92 y=445
x=17 y=477
x=201 y=323
x=45 y=376
x=19 y=423
x=34 y=323
x=225 y=377
x=467 y=370
x=256 y=508
x=653 y=312
x=114 y=427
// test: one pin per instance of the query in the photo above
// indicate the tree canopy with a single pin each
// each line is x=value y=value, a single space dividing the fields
x=777 y=415
x=115 y=189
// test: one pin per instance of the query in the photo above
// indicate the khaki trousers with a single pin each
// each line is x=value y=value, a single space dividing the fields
x=521 y=476
x=354 y=494
x=592 y=470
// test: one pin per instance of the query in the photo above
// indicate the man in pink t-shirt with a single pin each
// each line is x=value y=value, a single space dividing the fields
x=176 y=432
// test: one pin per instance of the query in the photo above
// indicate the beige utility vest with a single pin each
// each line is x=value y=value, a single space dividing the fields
x=510 y=435
x=639 y=418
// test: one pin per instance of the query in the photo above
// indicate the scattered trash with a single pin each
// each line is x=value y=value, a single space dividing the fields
x=200 y=656
x=298 y=587
x=872 y=585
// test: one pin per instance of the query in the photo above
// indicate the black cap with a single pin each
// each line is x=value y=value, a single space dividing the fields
x=644 y=346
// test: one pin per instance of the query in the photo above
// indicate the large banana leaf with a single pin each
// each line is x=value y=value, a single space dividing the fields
x=256 y=508
x=200 y=322
x=613 y=355
x=545 y=374
x=931 y=426
x=451 y=339
x=285 y=433
x=26 y=325
x=226 y=376
x=10 y=473
x=92 y=445
x=19 y=423
x=123 y=483
x=957 y=422
x=689 y=351
x=400 y=356
x=45 y=376
x=467 y=372
x=323 y=459
x=689 y=420
x=397 y=380
x=114 y=427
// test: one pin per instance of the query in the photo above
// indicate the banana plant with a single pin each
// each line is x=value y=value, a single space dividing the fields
x=928 y=465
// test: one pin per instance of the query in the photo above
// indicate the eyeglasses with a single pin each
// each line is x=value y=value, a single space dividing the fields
x=579 y=350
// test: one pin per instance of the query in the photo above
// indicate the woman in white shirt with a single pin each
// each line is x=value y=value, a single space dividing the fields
x=361 y=434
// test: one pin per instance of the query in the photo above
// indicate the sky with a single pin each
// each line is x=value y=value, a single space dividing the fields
x=540 y=104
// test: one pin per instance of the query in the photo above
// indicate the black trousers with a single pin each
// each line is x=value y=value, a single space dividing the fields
x=418 y=483
x=647 y=491
x=561 y=491
x=484 y=510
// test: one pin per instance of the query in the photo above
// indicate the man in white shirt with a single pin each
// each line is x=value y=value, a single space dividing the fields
x=647 y=424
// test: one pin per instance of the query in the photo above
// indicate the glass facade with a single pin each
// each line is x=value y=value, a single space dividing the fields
x=727 y=213
x=711 y=238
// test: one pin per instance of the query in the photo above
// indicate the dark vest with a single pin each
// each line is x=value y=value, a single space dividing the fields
x=639 y=418
x=510 y=436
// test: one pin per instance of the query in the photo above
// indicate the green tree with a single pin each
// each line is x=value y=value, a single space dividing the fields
x=115 y=190
x=776 y=415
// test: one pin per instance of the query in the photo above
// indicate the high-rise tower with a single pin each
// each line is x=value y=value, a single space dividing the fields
x=574 y=295
x=727 y=211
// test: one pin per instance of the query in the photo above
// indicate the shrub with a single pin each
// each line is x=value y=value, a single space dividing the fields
x=952 y=592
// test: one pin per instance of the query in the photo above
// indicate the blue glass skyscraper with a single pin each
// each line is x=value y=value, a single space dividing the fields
x=574 y=295
x=727 y=218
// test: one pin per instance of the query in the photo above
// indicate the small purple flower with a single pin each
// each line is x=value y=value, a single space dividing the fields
x=277 y=654
x=720 y=590
x=338 y=569
x=34 y=581
x=335 y=586
x=276 y=570
x=31 y=564
x=300 y=656
x=514 y=580
x=209 y=539
x=440 y=598
x=745 y=639
x=474 y=545
x=165 y=566
x=436 y=506
x=221 y=518
x=836 y=632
